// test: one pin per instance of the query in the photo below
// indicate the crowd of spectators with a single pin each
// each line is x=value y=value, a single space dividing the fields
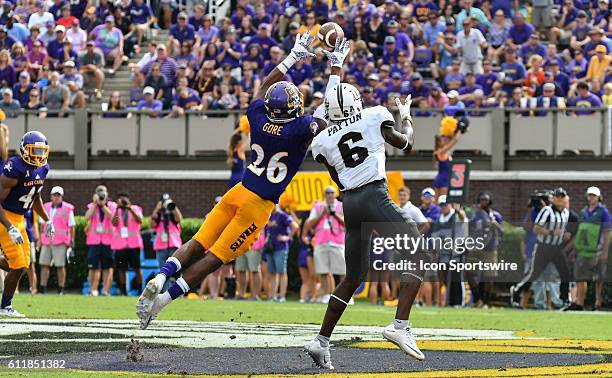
x=451 y=54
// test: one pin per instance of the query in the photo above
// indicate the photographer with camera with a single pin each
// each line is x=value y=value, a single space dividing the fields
x=451 y=130
x=166 y=221
x=99 y=234
x=550 y=227
x=126 y=240
x=327 y=220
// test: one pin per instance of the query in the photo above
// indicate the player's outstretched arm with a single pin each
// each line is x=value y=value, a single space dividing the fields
x=336 y=61
x=405 y=139
x=298 y=52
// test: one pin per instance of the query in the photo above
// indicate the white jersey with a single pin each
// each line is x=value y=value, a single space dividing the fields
x=355 y=147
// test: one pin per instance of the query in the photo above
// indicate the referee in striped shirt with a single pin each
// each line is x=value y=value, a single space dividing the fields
x=550 y=227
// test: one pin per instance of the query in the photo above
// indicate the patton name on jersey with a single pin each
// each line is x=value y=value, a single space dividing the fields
x=355 y=147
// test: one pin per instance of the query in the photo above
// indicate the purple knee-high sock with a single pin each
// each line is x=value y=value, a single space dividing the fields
x=171 y=266
x=178 y=289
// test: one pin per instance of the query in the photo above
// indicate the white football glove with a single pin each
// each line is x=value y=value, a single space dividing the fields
x=300 y=48
x=404 y=109
x=50 y=229
x=15 y=235
x=341 y=50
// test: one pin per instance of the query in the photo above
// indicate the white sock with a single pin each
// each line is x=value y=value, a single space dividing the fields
x=323 y=340
x=164 y=299
x=400 y=324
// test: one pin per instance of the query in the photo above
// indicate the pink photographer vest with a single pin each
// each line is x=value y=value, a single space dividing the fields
x=167 y=239
x=100 y=232
x=127 y=236
x=329 y=229
x=60 y=222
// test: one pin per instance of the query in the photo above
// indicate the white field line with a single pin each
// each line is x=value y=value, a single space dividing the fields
x=214 y=334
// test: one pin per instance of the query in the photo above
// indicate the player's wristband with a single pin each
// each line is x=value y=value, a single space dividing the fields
x=287 y=63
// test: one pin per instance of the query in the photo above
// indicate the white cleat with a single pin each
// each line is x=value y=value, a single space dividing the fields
x=10 y=311
x=320 y=355
x=146 y=302
x=147 y=310
x=405 y=340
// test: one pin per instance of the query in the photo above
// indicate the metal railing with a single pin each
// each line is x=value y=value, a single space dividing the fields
x=500 y=132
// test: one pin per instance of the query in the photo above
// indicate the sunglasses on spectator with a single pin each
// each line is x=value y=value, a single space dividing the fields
x=33 y=94
x=330 y=192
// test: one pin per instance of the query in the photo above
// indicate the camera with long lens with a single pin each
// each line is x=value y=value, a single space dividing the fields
x=539 y=198
x=101 y=195
x=167 y=203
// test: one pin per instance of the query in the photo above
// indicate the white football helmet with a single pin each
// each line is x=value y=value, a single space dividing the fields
x=342 y=102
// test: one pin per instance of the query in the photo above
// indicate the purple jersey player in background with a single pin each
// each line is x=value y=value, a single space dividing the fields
x=20 y=184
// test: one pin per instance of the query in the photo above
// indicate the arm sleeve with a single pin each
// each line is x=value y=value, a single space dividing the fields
x=331 y=82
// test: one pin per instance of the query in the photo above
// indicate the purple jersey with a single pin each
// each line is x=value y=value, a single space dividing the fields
x=278 y=151
x=30 y=181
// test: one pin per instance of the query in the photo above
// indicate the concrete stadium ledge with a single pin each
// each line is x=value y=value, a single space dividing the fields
x=561 y=176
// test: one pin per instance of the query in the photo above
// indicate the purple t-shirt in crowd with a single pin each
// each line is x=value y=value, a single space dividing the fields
x=279 y=224
x=590 y=101
x=106 y=40
x=486 y=81
x=298 y=75
x=139 y=14
x=520 y=35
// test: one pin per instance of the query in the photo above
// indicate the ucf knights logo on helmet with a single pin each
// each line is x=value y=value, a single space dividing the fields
x=342 y=102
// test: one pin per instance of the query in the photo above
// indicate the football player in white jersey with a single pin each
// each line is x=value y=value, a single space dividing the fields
x=352 y=147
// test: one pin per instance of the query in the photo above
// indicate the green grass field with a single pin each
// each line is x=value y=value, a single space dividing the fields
x=550 y=324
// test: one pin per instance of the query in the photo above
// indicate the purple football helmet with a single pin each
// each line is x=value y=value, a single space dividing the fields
x=284 y=102
x=34 y=148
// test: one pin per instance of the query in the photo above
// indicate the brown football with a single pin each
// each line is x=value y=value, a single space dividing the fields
x=328 y=33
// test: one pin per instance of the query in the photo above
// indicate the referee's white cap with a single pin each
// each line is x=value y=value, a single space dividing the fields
x=594 y=191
